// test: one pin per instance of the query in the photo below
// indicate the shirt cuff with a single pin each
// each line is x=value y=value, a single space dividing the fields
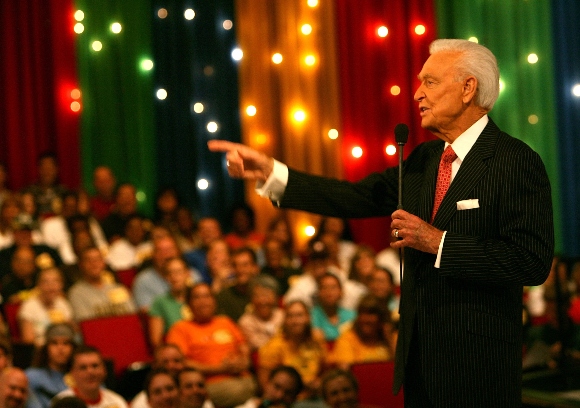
x=274 y=187
x=438 y=260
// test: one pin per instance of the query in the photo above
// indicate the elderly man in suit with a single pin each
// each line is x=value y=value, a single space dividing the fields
x=476 y=227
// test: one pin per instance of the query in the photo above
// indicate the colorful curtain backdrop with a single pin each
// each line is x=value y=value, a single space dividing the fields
x=157 y=90
x=37 y=75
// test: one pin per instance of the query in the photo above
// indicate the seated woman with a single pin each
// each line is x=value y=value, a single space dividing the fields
x=262 y=318
x=161 y=389
x=296 y=346
x=52 y=361
x=366 y=340
x=171 y=307
x=327 y=315
x=46 y=306
x=362 y=265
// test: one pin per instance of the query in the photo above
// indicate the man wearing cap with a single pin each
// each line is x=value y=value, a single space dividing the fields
x=46 y=376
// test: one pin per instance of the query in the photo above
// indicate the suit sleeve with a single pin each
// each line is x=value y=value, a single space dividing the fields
x=521 y=250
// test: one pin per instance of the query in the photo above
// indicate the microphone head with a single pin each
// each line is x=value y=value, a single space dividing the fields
x=401 y=133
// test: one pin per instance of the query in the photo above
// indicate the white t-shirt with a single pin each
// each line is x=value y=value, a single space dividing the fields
x=109 y=399
x=34 y=311
x=140 y=401
x=123 y=255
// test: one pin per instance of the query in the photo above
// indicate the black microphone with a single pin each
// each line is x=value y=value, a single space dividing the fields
x=401 y=136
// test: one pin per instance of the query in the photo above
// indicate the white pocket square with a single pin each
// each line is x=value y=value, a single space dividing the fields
x=468 y=204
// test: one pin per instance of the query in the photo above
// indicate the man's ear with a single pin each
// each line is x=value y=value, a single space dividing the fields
x=469 y=89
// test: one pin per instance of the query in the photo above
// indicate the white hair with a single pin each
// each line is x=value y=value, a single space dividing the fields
x=475 y=60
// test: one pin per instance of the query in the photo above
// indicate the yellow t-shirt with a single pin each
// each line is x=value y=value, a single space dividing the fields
x=348 y=349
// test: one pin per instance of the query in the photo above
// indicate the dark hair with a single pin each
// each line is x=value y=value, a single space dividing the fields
x=308 y=332
x=154 y=373
x=194 y=286
x=70 y=401
x=187 y=370
x=288 y=247
x=328 y=274
x=362 y=249
x=369 y=304
x=291 y=371
x=40 y=359
x=47 y=155
x=245 y=250
x=248 y=210
x=336 y=373
x=84 y=349
x=346 y=232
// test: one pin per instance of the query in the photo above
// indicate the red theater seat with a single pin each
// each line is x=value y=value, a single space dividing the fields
x=375 y=381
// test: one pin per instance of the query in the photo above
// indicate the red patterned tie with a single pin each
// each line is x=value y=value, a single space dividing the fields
x=443 y=178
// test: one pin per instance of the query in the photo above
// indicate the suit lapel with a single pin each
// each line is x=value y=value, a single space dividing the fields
x=469 y=174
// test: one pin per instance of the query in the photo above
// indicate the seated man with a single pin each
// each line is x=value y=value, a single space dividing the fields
x=192 y=390
x=13 y=388
x=96 y=294
x=281 y=391
x=232 y=300
x=215 y=346
x=18 y=283
x=339 y=389
x=88 y=373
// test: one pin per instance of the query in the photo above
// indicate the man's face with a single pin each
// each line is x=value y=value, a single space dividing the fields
x=244 y=267
x=202 y=303
x=340 y=393
x=126 y=200
x=440 y=97
x=164 y=249
x=92 y=263
x=23 y=263
x=13 y=388
x=281 y=389
x=170 y=359
x=88 y=372
x=274 y=253
x=192 y=389
x=104 y=181
x=209 y=230
x=162 y=392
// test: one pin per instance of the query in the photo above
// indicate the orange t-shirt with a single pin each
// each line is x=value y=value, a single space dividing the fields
x=208 y=343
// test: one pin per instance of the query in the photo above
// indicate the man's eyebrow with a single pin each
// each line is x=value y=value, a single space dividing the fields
x=421 y=77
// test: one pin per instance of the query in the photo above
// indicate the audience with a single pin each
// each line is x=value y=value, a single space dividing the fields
x=344 y=249
x=232 y=301
x=185 y=234
x=5 y=353
x=171 y=307
x=132 y=248
x=219 y=265
x=244 y=232
x=208 y=230
x=51 y=363
x=96 y=294
x=278 y=265
x=17 y=284
x=263 y=318
x=45 y=307
x=215 y=346
x=103 y=202
x=340 y=389
x=87 y=374
x=125 y=206
x=327 y=315
x=166 y=205
x=298 y=346
x=280 y=230
x=9 y=210
x=47 y=191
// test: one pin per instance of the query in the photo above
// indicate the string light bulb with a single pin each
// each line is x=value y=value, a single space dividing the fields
x=310 y=60
x=79 y=15
x=420 y=29
x=79 y=28
x=357 y=152
x=251 y=110
x=391 y=150
x=306 y=29
x=382 y=31
x=532 y=58
x=202 y=184
x=309 y=231
x=277 y=58
x=333 y=134
x=576 y=90
x=97 y=46
x=116 y=28
x=299 y=115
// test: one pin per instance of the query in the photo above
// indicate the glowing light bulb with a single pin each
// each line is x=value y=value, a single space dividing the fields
x=75 y=106
x=309 y=231
x=141 y=196
x=310 y=60
x=79 y=28
x=251 y=110
x=75 y=93
x=306 y=29
x=162 y=13
x=576 y=90
x=161 y=94
x=277 y=58
x=212 y=127
x=312 y=3
x=227 y=24
x=382 y=31
x=299 y=115
x=198 y=107
x=147 y=65
x=79 y=15
x=97 y=46
x=501 y=85
x=533 y=119
x=202 y=184
x=189 y=14
x=532 y=58
x=333 y=134
x=237 y=54
x=116 y=28
x=395 y=90
x=473 y=39
x=420 y=29
x=357 y=152
x=391 y=150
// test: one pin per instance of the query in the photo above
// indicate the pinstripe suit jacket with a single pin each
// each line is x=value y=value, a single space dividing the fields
x=468 y=312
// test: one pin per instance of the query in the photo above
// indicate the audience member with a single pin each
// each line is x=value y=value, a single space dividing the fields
x=219 y=265
x=125 y=206
x=243 y=232
x=263 y=318
x=132 y=248
x=5 y=353
x=186 y=235
x=171 y=307
x=340 y=389
x=161 y=389
x=305 y=287
x=165 y=356
x=362 y=265
x=25 y=234
x=68 y=402
x=87 y=375
x=277 y=264
x=13 y=388
x=103 y=202
x=208 y=230
x=81 y=240
x=367 y=339
x=150 y=282
x=9 y=210
x=390 y=260
x=47 y=191
x=56 y=231
x=215 y=346
x=296 y=346
x=19 y=281
x=339 y=229
x=96 y=294
x=281 y=390
x=46 y=306
x=166 y=205
x=381 y=286
x=192 y=389
x=327 y=315
x=51 y=363
x=232 y=301
x=279 y=229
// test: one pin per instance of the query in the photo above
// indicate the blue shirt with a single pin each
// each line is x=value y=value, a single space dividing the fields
x=149 y=284
x=320 y=321
x=44 y=384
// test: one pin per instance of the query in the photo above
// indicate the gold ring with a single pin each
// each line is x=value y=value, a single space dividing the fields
x=396 y=233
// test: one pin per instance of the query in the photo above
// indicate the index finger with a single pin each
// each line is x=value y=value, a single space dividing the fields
x=222 y=146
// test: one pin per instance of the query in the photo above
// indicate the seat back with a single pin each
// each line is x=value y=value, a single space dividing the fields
x=126 y=277
x=11 y=315
x=375 y=383
x=120 y=338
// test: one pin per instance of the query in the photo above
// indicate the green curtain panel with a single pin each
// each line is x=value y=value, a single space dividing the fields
x=514 y=30
x=118 y=123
